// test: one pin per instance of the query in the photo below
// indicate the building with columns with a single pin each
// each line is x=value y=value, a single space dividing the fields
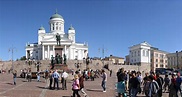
x=175 y=60
x=147 y=57
x=45 y=47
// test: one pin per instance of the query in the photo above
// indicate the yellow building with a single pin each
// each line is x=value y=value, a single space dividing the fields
x=158 y=59
x=115 y=60
x=175 y=60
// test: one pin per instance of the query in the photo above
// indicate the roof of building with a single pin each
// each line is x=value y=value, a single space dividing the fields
x=41 y=28
x=56 y=15
x=111 y=56
x=71 y=28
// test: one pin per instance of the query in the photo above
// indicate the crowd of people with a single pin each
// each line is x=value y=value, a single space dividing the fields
x=152 y=85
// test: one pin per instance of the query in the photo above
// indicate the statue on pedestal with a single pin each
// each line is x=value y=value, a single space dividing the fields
x=87 y=61
x=61 y=59
x=64 y=58
x=58 y=38
x=56 y=58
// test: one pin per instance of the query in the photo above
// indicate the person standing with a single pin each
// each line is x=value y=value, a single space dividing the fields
x=76 y=86
x=38 y=76
x=172 y=90
x=56 y=79
x=135 y=84
x=104 y=79
x=110 y=72
x=121 y=82
x=64 y=78
x=14 y=76
x=50 y=79
x=178 y=85
x=160 y=82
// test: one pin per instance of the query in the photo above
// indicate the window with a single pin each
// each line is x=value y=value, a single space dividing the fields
x=135 y=53
x=161 y=65
x=139 y=53
x=156 y=60
x=156 y=55
x=150 y=60
x=156 y=65
x=147 y=53
x=143 y=52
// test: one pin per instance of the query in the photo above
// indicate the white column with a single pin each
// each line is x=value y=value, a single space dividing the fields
x=53 y=50
x=26 y=54
x=48 y=53
x=43 y=57
x=65 y=50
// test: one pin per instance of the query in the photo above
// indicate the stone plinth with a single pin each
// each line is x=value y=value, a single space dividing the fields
x=58 y=50
x=60 y=67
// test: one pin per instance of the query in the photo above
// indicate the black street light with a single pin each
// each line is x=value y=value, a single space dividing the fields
x=177 y=59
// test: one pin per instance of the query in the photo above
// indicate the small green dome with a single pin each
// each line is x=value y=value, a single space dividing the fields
x=41 y=28
x=71 y=28
x=56 y=15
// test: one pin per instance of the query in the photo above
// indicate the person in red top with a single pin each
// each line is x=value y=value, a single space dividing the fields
x=172 y=91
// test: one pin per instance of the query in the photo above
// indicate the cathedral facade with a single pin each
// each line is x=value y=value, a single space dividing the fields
x=44 y=49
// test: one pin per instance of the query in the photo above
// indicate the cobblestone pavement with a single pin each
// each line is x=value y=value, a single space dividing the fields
x=37 y=89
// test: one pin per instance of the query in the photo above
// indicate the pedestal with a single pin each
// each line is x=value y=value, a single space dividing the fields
x=58 y=50
x=60 y=67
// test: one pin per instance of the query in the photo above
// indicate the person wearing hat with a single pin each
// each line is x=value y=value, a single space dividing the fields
x=76 y=86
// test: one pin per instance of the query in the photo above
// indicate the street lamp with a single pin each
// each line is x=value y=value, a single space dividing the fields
x=177 y=59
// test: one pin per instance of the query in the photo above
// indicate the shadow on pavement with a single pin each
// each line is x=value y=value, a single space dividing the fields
x=9 y=83
x=42 y=87
x=95 y=90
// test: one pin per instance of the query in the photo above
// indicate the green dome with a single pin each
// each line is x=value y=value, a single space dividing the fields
x=56 y=15
x=41 y=28
x=71 y=28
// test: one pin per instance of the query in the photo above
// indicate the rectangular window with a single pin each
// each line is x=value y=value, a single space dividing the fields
x=139 y=53
x=156 y=55
x=156 y=65
x=143 y=52
x=147 y=53
x=156 y=60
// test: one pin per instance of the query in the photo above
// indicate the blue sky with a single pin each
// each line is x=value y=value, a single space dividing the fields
x=112 y=24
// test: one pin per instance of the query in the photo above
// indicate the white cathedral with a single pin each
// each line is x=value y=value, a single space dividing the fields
x=45 y=47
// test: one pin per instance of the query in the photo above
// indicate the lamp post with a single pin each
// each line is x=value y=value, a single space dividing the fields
x=177 y=59
x=12 y=52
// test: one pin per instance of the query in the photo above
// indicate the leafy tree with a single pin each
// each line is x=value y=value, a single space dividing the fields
x=23 y=58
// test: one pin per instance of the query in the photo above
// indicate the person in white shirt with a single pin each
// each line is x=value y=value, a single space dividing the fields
x=64 y=78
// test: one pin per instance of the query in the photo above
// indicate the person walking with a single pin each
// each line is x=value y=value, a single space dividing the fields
x=153 y=87
x=14 y=76
x=166 y=83
x=64 y=79
x=104 y=79
x=81 y=81
x=56 y=77
x=76 y=86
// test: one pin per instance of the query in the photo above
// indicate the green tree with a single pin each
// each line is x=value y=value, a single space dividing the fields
x=23 y=58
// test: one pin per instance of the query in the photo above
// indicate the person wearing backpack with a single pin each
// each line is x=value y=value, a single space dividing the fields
x=178 y=85
x=160 y=82
x=166 y=83
x=172 y=91
x=153 y=87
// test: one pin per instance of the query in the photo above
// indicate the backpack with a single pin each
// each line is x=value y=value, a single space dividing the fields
x=155 y=87
x=167 y=80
